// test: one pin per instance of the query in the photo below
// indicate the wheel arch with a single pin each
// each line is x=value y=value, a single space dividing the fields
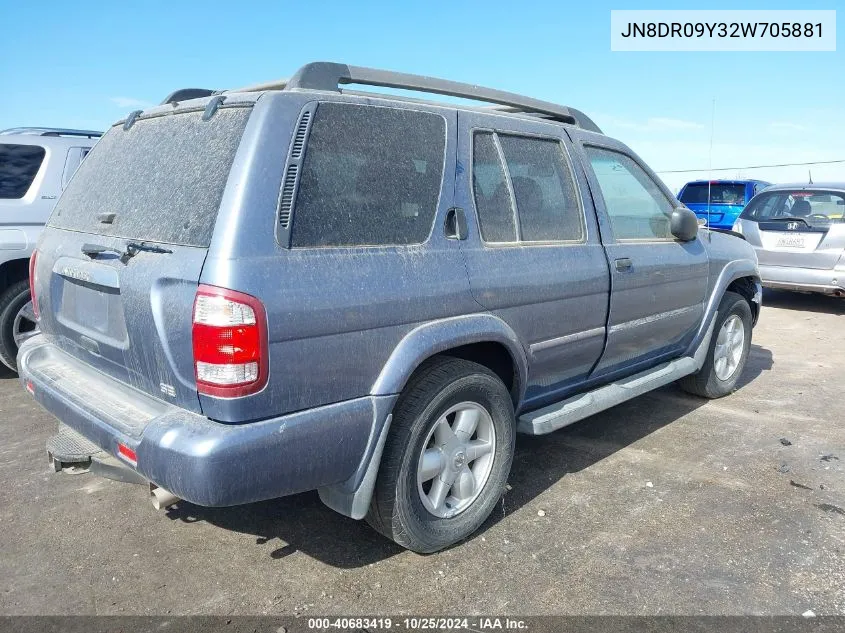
x=739 y=275
x=747 y=287
x=482 y=338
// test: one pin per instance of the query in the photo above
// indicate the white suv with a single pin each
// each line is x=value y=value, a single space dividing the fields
x=35 y=166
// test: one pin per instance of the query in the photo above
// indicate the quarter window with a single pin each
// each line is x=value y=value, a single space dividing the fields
x=371 y=176
x=18 y=166
x=636 y=205
x=535 y=172
x=490 y=190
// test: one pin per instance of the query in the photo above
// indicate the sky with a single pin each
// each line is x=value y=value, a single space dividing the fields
x=86 y=64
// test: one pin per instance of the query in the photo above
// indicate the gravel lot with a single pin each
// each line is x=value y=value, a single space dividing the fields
x=664 y=505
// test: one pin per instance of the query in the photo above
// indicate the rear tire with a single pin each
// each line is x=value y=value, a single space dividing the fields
x=455 y=418
x=727 y=353
x=12 y=303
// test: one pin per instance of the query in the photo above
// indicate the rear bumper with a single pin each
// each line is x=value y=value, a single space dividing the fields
x=199 y=460
x=827 y=281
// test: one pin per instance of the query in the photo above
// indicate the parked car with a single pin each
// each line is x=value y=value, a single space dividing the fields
x=798 y=232
x=291 y=287
x=727 y=199
x=35 y=166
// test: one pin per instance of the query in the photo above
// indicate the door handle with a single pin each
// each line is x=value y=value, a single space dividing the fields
x=456 y=224
x=623 y=265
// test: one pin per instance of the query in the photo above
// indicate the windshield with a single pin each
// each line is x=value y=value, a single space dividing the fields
x=720 y=193
x=814 y=207
x=163 y=178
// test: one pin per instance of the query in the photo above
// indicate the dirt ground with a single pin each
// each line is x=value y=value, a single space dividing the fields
x=667 y=504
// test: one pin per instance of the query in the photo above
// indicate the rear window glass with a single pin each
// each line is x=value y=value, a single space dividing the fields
x=163 y=179
x=371 y=176
x=719 y=194
x=813 y=207
x=18 y=166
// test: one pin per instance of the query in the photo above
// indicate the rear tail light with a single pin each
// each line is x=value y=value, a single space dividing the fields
x=33 y=277
x=230 y=343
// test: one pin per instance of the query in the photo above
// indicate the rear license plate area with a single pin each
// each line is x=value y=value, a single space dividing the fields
x=791 y=241
x=92 y=310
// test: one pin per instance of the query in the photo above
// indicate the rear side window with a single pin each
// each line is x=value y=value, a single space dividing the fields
x=18 y=166
x=547 y=204
x=163 y=178
x=636 y=205
x=371 y=176
x=546 y=200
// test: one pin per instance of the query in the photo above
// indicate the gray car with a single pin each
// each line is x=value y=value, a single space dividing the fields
x=798 y=231
x=36 y=165
x=251 y=293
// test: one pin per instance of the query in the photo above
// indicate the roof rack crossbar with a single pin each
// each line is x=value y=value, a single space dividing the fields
x=52 y=131
x=330 y=76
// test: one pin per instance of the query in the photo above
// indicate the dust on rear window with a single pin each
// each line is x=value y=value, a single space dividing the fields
x=163 y=178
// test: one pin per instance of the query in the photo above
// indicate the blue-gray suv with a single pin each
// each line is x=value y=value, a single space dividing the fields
x=250 y=293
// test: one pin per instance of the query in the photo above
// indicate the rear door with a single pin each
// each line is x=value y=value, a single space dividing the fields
x=658 y=284
x=533 y=255
x=118 y=264
x=804 y=228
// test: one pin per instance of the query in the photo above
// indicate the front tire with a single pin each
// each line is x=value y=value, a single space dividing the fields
x=727 y=353
x=447 y=458
x=17 y=322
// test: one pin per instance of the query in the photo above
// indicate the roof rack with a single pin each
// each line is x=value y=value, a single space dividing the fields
x=330 y=76
x=52 y=131
x=183 y=94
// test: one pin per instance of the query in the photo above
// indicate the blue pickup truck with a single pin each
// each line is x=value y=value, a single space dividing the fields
x=726 y=201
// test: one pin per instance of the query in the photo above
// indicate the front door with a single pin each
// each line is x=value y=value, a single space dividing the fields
x=658 y=283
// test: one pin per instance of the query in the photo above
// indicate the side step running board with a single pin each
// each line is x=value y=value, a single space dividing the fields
x=576 y=408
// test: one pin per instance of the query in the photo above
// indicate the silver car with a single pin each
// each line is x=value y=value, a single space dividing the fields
x=798 y=231
x=36 y=165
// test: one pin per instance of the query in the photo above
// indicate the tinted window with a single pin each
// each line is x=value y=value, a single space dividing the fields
x=635 y=203
x=814 y=207
x=546 y=199
x=371 y=176
x=490 y=189
x=720 y=193
x=163 y=178
x=18 y=166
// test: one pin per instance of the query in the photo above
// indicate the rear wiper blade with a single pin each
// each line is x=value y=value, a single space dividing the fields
x=132 y=248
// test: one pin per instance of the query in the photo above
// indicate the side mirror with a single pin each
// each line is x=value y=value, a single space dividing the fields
x=684 y=224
